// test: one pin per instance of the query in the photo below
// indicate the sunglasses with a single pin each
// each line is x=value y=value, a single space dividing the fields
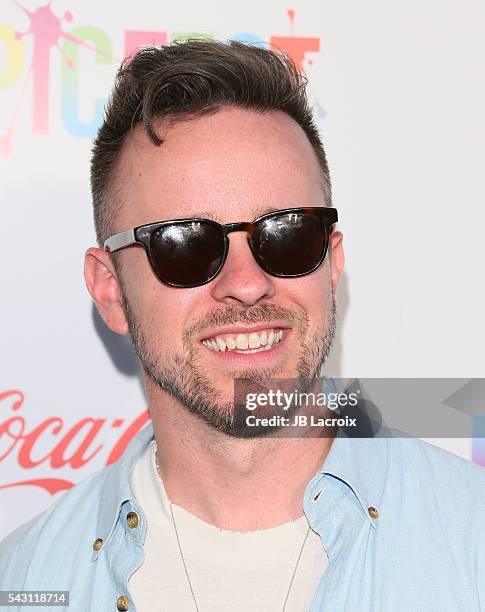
x=191 y=252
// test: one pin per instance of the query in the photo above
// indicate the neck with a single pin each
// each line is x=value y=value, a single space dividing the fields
x=235 y=484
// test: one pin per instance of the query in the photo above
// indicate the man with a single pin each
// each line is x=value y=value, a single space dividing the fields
x=212 y=198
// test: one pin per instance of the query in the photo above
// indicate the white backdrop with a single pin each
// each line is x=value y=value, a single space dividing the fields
x=399 y=93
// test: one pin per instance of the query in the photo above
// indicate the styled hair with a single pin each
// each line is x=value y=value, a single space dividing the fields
x=186 y=80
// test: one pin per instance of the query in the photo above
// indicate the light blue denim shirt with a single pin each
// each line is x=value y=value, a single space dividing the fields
x=421 y=547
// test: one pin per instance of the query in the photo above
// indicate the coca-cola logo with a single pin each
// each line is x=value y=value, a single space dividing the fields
x=69 y=444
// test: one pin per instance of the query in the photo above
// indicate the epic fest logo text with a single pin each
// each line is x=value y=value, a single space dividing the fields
x=47 y=32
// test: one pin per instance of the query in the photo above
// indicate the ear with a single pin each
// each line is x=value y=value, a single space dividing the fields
x=103 y=285
x=337 y=257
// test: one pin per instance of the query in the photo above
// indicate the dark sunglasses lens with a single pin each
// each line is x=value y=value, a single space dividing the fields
x=290 y=244
x=186 y=254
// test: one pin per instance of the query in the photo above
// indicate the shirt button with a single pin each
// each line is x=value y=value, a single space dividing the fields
x=373 y=512
x=122 y=603
x=98 y=542
x=132 y=520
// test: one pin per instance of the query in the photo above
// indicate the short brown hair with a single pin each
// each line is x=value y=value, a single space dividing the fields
x=188 y=79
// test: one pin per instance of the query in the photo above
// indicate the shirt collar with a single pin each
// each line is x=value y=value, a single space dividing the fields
x=116 y=485
x=359 y=462
x=362 y=464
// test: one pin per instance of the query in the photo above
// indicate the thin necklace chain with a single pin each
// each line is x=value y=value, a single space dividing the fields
x=187 y=575
x=182 y=557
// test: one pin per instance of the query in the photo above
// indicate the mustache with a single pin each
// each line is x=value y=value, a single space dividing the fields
x=232 y=315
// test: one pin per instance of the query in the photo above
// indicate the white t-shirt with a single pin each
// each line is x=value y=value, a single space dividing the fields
x=230 y=571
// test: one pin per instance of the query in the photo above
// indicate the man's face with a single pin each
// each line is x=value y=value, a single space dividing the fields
x=229 y=166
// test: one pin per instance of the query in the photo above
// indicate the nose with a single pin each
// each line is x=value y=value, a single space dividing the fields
x=241 y=281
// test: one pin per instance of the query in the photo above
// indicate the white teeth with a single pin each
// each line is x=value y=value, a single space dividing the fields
x=242 y=341
x=249 y=343
x=221 y=344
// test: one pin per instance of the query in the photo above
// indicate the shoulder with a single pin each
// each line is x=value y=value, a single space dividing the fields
x=60 y=540
x=434 y=463
x=437 y=489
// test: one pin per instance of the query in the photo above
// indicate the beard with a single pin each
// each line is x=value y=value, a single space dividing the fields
x=182 y=376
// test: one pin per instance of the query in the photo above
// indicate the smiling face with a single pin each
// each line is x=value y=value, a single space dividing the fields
x=229 y=166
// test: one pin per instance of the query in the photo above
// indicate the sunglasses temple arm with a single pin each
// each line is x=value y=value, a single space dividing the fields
x=120 y=241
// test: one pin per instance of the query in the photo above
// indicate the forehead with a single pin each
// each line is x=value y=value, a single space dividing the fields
x=230 y=165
